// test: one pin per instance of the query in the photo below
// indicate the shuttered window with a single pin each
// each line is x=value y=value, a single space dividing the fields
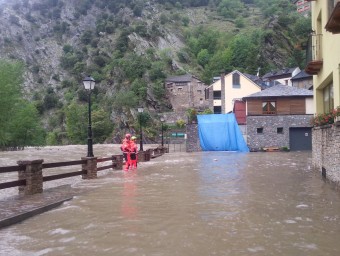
x=269 y=107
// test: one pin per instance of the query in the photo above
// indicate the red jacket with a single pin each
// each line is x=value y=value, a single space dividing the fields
x=127 y=146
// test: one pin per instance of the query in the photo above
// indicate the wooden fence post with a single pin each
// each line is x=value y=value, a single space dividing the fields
x=117 y=162
x=90 y=168
x=32 y=173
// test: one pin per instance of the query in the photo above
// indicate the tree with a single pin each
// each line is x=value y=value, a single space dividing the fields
x=203 y=57
x=19 y=122
x=101 y=125
x=76 y=123
x=26 y=128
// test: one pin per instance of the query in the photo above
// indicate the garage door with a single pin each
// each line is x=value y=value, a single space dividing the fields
x=300 y=138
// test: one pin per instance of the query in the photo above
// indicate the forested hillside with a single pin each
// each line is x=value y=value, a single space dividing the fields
x=129 y=47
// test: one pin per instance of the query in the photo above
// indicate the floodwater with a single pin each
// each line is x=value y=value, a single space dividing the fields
x=205 y=203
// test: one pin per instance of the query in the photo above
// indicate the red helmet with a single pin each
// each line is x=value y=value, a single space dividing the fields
x=128 y=136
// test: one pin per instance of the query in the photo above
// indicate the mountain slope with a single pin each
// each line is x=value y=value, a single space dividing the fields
x=129 y=47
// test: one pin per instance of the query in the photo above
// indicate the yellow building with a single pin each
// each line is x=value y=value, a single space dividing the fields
x=323 y=62
x=323 y=58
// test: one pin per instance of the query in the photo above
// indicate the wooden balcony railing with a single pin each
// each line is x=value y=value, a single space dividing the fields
x=314 y=54
x=333 y=24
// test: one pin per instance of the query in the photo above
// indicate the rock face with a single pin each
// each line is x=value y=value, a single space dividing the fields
x=36 y=34
x=35 y=31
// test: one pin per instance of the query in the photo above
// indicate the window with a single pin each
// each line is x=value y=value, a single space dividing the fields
x=217 y=109
x=180 y=89
x=328 y=98
x=280 y=130
x=331 y=4
x=199 y=91
x=269 y=107
x=259 y=130
x=206 y=93
x=236 y=80
x=201 y=101
x=217 y=95
x=180 y=84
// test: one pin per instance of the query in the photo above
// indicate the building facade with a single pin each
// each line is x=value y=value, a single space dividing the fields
x=279 y=117
x=302 y=80
x=185 y=92
x=282 y=76
x=230 y=88
x=302 y=6
x=323 y=62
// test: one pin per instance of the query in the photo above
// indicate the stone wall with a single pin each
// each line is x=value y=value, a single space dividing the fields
x=193 y=142
x=187 y=95
x=326 y=153
x=270 y=137
x=173 y=117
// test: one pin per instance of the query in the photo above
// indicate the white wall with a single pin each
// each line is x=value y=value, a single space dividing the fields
x=310 y=110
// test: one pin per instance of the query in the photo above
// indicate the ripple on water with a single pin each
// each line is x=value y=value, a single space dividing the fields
x=59 y=231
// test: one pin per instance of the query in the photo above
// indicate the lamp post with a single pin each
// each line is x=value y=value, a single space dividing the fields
x=89 y=83
x=162 y=121
x=140 y=111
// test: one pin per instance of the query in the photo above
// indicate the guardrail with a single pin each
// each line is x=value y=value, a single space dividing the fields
x=31 y=178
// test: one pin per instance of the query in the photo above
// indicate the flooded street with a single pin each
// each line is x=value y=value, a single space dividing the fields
x=205 y=203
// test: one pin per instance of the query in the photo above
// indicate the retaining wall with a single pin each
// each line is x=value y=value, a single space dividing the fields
x=326 y=151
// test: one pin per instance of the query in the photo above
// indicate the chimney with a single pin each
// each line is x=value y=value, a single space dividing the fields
x=223 y=92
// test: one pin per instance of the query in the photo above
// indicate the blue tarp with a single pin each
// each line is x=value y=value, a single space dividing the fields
x=220 y=132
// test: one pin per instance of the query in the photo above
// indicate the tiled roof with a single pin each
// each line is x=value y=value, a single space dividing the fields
x=281 y=91
x=257 y=80
x=301 y=75
x=282 y=72
x=179 y=79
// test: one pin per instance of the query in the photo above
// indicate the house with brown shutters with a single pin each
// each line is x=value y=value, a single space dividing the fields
x=279 y=117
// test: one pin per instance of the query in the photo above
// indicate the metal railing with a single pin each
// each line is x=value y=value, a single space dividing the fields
x=314 y=48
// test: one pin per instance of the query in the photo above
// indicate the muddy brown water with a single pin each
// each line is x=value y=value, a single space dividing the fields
x=206 y=203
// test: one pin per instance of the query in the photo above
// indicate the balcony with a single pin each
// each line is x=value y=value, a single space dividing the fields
x=314 y=54
x=333 y=24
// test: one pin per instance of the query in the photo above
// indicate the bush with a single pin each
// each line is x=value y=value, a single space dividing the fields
x=326 y=118
x=180 y=123
x=86 y=37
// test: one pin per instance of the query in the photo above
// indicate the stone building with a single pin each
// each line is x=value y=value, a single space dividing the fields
x=279 y=117
x=302 y=80
x=186 y=91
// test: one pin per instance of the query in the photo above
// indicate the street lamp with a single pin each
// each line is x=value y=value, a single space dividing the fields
x=140 y=111
x=89 y=83
x=162 y=121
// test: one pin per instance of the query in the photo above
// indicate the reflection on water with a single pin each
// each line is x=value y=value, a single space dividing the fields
x=207 y=203
x=129 y=195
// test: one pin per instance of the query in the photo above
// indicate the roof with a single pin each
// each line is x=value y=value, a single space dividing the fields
x=281 y=91
x=302 y=75
x=247 y=76
x=179 y=79
x=282 y=72
x=257 y=80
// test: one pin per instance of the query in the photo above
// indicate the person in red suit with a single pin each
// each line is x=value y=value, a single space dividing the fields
x=133 y=153
x=126 y=147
